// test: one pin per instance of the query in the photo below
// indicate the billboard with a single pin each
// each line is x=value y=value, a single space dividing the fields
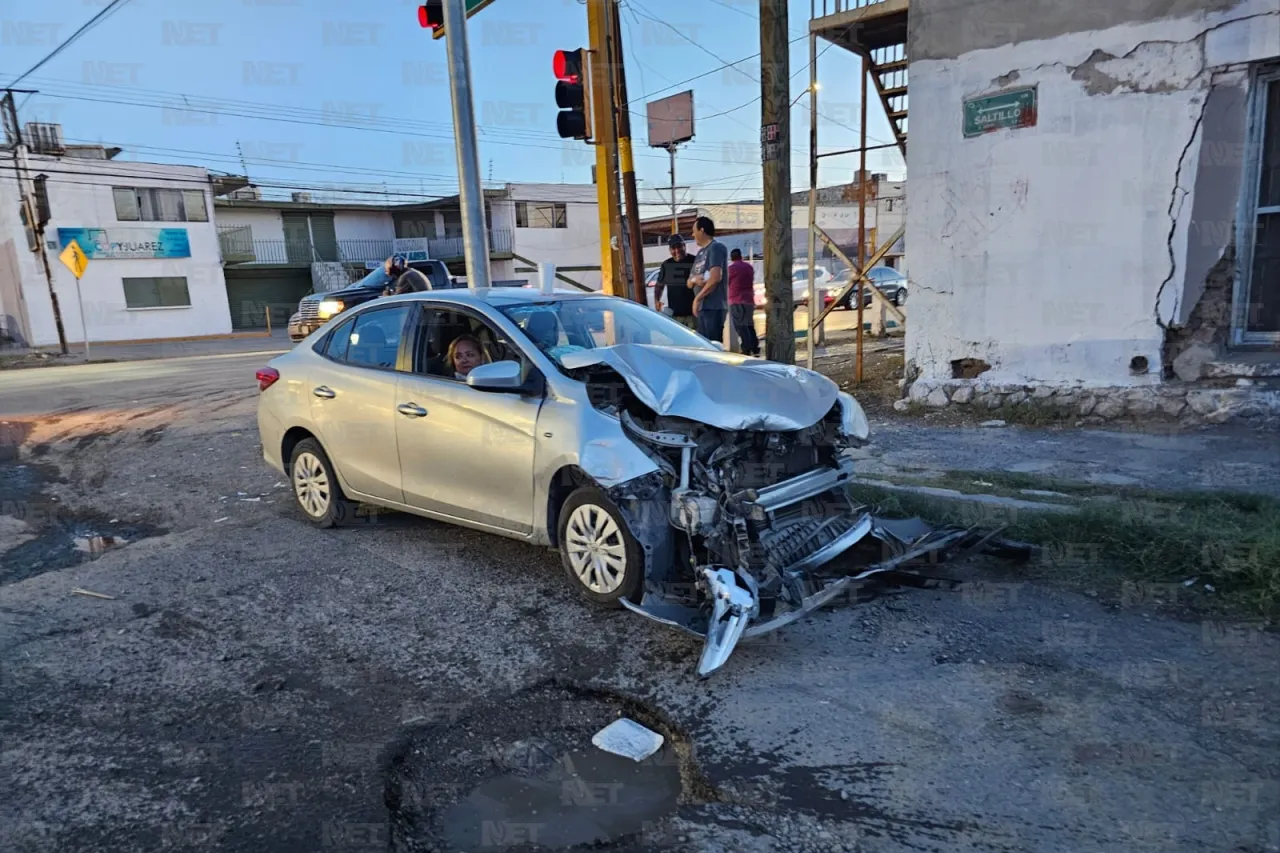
x=670 y=120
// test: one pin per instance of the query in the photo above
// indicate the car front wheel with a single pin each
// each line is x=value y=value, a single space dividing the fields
x=600 y=556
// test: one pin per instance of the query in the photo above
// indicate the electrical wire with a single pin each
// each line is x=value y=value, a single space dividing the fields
x=84 y=28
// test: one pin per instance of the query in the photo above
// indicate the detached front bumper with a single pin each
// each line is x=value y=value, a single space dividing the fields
x=803 y=524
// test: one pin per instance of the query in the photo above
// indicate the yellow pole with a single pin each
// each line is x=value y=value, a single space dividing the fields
x=605 y=138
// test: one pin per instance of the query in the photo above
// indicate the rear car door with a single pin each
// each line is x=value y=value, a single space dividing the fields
x=467 y=454
x=353 y=390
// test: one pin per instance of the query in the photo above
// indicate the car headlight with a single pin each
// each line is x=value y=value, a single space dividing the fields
x=853 y=420
x=330 y=307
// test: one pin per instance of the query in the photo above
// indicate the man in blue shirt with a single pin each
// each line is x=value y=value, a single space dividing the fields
x=709 y=280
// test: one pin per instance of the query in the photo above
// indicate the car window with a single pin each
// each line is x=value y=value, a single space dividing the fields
x=563 y=326
x=440 y=326
x=375 y=337
x=338 y=341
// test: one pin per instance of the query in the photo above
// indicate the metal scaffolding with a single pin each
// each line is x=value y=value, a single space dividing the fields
x=876 y=31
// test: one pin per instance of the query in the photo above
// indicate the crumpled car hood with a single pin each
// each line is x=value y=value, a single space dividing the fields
x=720 y=389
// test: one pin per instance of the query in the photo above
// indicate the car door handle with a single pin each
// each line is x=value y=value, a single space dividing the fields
x=413 y=410
x=325 y=391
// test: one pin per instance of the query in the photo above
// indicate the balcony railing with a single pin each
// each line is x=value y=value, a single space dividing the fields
x=452 y=248
x=238 y=247
x=835 y=7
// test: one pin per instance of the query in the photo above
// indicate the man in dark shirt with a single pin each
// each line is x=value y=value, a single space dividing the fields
x=673 y=282
x=709 y=280
x=742 y=302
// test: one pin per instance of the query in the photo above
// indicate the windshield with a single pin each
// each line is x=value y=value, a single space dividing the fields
x=571 y=325
x=377 y=278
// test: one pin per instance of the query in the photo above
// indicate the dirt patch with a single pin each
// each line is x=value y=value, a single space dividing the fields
x=49 y=535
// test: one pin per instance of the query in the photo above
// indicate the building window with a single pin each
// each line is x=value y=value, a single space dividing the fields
x=150 y=204
x=159 y=292
x=531 y=215
x=1260 y=267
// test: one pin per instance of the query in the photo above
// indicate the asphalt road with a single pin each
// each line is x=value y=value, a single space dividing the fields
x=47 y=390
x=255 y=684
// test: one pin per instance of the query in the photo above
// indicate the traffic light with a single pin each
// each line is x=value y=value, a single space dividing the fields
x=431 y=16
x=573 y=95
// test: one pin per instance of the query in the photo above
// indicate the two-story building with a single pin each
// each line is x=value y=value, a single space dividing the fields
x=275 y=252
x=147 y=229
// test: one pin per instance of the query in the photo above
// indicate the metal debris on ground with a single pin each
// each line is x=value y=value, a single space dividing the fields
x=91 y=594
x=629 y=739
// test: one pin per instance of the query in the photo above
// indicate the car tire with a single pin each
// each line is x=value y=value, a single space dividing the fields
x=315 y=486
x=900 y=297
x=588 y=518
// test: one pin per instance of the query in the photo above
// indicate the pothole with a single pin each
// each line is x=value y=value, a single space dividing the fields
x=522 y=774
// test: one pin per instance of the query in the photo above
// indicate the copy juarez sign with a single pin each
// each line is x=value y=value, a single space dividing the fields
x=1012 y=109
x=99 y=243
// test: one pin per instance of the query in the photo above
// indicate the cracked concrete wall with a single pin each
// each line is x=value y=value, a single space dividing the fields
x=947 y=29
x=1059 y=253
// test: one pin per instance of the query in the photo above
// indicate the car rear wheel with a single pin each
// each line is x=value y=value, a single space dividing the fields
x=601 y=557
x=315 y=486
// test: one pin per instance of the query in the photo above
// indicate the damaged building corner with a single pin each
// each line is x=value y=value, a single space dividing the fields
x=1203 y=338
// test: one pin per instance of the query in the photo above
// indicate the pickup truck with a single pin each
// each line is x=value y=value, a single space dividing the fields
x=319 y=308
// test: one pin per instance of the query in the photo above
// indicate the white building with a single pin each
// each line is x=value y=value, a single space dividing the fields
x=1095 y=187
x=147 y=229
x=276 y=252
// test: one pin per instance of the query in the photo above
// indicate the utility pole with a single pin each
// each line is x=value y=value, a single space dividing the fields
x=675 y=220
x=624 y=154
x=812 y=311
x=862 y=214
x=31 y=215
x=775 y=156
x=606 y=141
x=475 y=233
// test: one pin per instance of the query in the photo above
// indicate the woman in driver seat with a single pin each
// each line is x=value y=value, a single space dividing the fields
x=465 y=353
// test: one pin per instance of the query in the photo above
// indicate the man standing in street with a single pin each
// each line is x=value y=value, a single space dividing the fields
x=673 y=282
x=709 y=280
x=742 y=302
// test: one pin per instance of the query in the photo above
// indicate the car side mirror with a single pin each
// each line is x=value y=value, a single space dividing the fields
x=498 y=376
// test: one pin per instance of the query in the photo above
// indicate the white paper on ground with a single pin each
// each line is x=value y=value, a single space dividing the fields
x=629 y=739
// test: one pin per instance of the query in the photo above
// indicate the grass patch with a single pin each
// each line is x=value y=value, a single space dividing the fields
x=1130 y=538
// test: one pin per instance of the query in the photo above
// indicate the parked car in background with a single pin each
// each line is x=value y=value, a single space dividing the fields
x=892 y=284
x=799 y=286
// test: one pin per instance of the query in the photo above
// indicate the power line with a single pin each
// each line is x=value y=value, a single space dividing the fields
x=84 y=28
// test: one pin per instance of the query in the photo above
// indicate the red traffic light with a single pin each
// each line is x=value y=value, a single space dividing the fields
x=567 y=65
x=431 y=15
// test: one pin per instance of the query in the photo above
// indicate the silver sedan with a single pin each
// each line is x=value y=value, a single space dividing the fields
x=697 y=487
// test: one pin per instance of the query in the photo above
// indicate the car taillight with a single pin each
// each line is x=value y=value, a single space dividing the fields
x=267 y=377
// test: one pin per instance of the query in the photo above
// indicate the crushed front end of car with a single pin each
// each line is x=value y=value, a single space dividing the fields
x=751 y=503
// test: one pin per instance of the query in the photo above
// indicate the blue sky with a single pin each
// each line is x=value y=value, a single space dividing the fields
x=338 y=93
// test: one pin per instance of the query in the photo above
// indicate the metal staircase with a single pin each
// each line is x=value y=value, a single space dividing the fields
x=877 y=31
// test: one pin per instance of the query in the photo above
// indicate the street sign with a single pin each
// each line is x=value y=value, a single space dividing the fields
x=1015 y=108
x=473 y=6
x=73 y=258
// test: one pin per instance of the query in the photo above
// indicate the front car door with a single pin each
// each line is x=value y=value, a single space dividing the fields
x=353 y=402
x=466 y=454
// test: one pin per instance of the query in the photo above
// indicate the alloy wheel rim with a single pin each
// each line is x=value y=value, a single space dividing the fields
x=311 y=485
x=597 y=552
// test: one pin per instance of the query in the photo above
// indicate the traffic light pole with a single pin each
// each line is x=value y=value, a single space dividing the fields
x=606 y=141
x=475 y=236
